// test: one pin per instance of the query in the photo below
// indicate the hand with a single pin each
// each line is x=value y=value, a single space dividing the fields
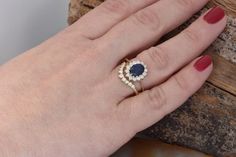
x=64 y=97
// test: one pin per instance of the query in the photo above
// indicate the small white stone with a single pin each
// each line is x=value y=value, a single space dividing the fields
x=121 y=76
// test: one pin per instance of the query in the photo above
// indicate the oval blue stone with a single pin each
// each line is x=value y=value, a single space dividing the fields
x=137 y=70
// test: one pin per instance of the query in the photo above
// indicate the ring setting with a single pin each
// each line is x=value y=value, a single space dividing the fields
x=131 y=72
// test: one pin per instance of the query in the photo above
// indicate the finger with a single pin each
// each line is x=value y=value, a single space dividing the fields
x=164 y=60
x=145 y=27
x=98 y=21
x=152 y=105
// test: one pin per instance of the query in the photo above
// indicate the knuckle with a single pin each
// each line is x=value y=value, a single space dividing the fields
x=181 y=82
x=191 y=36
x=157 y=98
x=185 y=3
x=116 y=6
x=147 y=18
x=158 y=57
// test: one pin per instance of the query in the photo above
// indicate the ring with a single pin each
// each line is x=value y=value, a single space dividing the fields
x=131 y=72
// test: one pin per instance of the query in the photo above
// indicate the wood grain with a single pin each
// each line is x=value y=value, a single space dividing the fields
x=224 y=74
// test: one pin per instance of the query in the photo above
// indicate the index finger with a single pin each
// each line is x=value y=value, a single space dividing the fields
x=98 y=21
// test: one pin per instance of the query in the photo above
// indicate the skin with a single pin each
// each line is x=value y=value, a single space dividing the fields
x=64 y=98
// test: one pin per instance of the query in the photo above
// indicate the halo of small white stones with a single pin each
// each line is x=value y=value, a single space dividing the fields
x=137 y=78
x=127 y=78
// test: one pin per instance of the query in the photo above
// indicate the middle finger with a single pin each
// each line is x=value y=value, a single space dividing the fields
x=145 y=27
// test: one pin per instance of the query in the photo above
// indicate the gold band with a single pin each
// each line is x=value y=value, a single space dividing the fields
x=135 y=90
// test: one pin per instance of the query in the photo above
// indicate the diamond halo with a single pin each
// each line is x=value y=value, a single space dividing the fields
x=136 y=71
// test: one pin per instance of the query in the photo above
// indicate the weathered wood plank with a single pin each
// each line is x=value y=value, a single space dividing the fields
x=224 y=74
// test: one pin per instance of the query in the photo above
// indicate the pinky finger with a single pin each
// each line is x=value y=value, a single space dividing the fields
x=152 y=105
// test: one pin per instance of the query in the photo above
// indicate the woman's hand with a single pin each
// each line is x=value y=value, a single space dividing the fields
x=64 y=97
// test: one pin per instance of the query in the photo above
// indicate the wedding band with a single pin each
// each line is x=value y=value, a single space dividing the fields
x=131 y=72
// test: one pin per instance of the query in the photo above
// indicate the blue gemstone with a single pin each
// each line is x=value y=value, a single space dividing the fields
x=137 y=70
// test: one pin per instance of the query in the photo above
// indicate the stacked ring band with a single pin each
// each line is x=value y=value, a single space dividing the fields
x=131 y=72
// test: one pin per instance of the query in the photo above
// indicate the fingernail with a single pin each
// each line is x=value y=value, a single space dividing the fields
x=215 y=15
x=203 y=63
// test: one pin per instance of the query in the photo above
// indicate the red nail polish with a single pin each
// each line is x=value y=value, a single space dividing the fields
x=215 y=15
x=203 y=63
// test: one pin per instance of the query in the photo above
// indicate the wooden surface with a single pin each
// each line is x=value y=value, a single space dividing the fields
x=154 y=148
x=207 y=121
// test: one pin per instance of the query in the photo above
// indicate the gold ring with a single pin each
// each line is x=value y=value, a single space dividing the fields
x=131 y=72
